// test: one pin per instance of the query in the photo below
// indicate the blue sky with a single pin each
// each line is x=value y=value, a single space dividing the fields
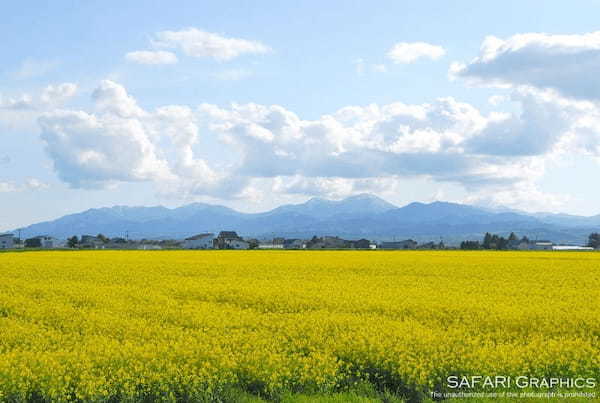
x=255 y=104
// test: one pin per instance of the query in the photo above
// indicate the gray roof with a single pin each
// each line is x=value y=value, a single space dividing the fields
x=199 y=236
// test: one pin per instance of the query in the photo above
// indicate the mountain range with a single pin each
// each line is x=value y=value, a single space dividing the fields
x=361 y=216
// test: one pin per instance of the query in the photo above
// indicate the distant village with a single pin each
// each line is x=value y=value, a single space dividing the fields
x=231 y=240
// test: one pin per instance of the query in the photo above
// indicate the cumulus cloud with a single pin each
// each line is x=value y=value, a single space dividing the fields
x=565 y=63
x=51 y=96
x=58 y=94
x=197 y=43
x=536 y=130
x=121 y=142
x=446 y=141
x=410 y=52
x=22 y=102
x=89 y=150
x=29 y=184
x=496 y=100
x=151 y=57
x=20 y=112
x=523 y=196
x=358 y=143
x=355 y=149
x=331 y=187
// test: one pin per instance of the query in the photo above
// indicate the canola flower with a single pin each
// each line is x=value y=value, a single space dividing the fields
x=177 y=325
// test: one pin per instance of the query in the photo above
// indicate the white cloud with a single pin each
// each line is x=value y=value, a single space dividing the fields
x=496 y=100
x=51 y=96
x=29 y=184
x=20 y=112
x=197 y=43
x=360 y=142
x=112 y=98
x=121 y=142
x=544 y=119
x=565 y=63
x=356 y=149
x=35 y=184
x=21 y=103
x=58 y=94
x=409 y=52
x=151 y=57
x=8 y=187
x=333 y=188
x=91 y=150
x=523 y=196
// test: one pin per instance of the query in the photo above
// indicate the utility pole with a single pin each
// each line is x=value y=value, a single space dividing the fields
x=127 y=235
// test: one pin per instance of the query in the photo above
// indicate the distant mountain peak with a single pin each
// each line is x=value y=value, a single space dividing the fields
x=361 y=215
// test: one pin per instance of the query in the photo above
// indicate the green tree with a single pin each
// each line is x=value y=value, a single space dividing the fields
x=512 y=237
x=73 y=241
x=470 y=245
x=102 y=238
x=487 y=241
x=594 y=240
x=33 y=243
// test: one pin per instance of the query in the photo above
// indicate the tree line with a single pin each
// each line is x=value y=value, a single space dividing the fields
x=492 y=242
x=496 y=242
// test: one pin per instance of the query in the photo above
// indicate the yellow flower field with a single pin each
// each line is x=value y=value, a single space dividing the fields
x=188 y=325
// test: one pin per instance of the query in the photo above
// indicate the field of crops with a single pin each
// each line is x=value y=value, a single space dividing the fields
x=193 y=325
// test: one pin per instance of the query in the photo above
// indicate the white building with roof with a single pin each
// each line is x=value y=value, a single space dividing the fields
x=200 y=241
x=7 y=241
x=49 y=242
x=541 y=245
x=572 y=247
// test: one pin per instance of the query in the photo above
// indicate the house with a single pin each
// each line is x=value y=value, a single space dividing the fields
x=230 y=240
x=519 y=244
x=541 y=245
x=572 y=248
x=44 y=241
x=238 y=244
x=49 y=242
x=406 y=244
x=277 y=243
x=6 y=241
x=91 y=242
x=294 y=244
x=200 y=241
x=334 y=242
x=328 y=242
x=269 y=245
x=361 y=244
